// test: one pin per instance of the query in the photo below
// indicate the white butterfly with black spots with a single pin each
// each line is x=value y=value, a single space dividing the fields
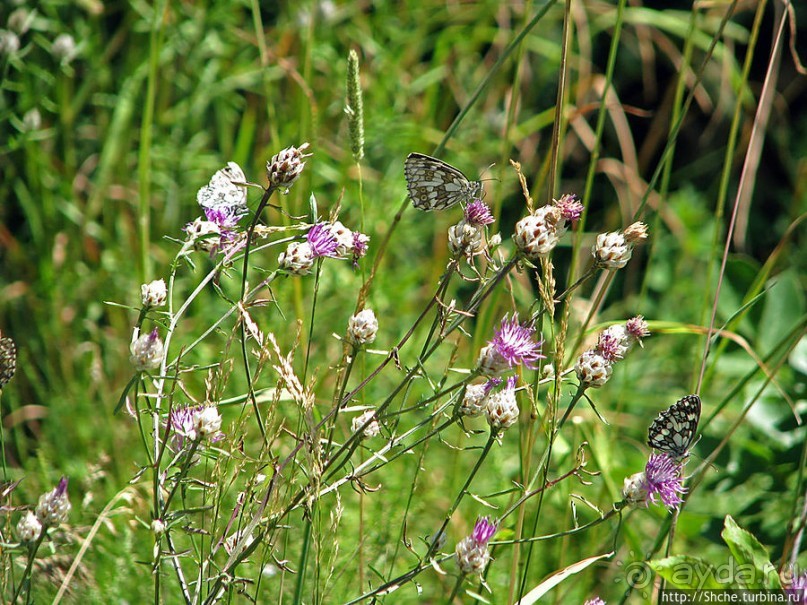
x=674 y=430
x=436 y=185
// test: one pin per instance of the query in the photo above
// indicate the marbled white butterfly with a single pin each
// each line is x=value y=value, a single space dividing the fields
x=435 y=185
x=674 y=429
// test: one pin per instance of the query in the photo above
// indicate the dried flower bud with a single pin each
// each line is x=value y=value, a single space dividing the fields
x=29 y=527
x=154 y=293
x=208 y=421
x=362 y=328
x=158 y=527
x=287 y=166
x=205 y=234
x=147 y=351
x=633 y=489
x=54 y=506
x=538 y=233
x=464 y=240
x=613 y=250
x=297 y=259
x=635 y=233
x=372 y=429
x=474 y=400
x=472 y=552
x=592 y=369
x=501 y=409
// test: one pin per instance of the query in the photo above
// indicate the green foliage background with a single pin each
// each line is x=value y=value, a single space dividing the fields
x=157 y=97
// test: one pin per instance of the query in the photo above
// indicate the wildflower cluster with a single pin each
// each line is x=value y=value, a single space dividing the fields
x=332 y=240
x=595 y=366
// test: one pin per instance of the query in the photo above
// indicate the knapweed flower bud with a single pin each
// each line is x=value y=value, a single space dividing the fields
x=633 y=489
x=54 y=506
x=154 y=293
x=207 y=421
x=464 y=240
x=613 y=250
x=8 y=360
x=362 y=328
x=511 y=346
x=501 y=408
x=637 y=328
x=158 y=527
x=147 y=351
x=538 y=233
x=635 y=233
x=64 y=48
x=592 y=369
x=287 y=166
x=297 y=259
x=472 y=552
x=205 y=235
x=29 y=527
x=372 y=429
x=475 y=399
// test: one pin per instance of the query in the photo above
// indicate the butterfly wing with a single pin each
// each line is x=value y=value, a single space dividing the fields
x=673 y=431
x=435 y=185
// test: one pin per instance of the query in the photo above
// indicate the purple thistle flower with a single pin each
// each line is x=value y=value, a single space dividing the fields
x=321 y=240
x=483 y=531
x=610 y=347
x=226 y=217
x=477 y=213
x=595 y=601
x=637 y=328
x=513 y=342
x=662 y=480
x=571 y=209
